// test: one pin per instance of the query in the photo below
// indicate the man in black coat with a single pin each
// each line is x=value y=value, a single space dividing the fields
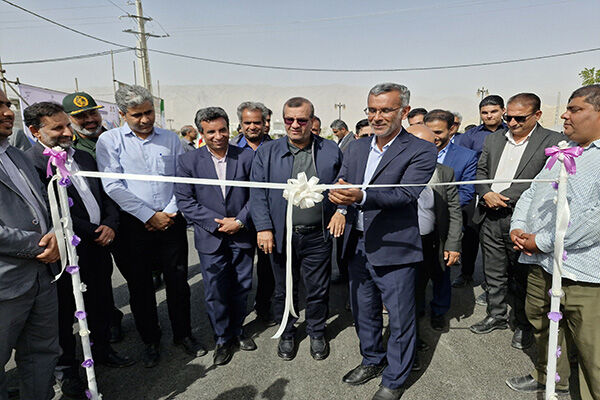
x=95 y=220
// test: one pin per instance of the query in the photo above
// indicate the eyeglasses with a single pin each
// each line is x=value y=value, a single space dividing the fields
x=518 y=118
x=382 y=111
x=300 y=121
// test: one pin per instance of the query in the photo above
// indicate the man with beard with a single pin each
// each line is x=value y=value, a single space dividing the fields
x=95 y=220
x=28 y=304
x=86 y=122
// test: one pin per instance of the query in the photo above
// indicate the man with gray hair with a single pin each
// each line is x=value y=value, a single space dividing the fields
x=340 y=130
x=151 y=232
x=382 y=226
x=189 y=134
x=456 y=126
x=252 y=116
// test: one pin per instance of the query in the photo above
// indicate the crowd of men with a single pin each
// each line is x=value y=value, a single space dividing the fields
x=386 y=242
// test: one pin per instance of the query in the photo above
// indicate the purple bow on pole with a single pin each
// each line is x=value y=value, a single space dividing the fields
x=568 y=154
x=59 y=158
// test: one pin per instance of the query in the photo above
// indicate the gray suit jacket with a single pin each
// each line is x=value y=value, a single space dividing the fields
x=346 y=140
x=448 y=213
x=20 y=232
x=532 y=162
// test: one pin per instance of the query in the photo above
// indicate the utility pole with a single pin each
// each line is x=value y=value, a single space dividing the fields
x=112 y=63
x=76 y=85
x=339 y=106
x=170 y=121
x=142 y=48
x=2 y=71
x=557 y=111
x=482 y=92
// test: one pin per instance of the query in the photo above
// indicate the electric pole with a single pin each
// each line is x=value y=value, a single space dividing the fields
x=339 y=106
x=142 y=48
x=483 y=92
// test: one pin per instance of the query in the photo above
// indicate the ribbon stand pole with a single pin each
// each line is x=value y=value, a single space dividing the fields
x=67 y=241
x=562 y=223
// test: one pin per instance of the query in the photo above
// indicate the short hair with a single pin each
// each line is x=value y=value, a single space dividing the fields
x=317 y=118
x=33 y=114
x=296 y=102
x=390 y=87
x=491 y=100
x=131 y=96
x=210 y=114
x=269 y=111
x=590 y=93
x=440 y=115
x=416 y=111
x=338 y=124
x=457 y=115
x=186 y=129
x=253 y=106
x=469 y=127
x=361 y=124
x=530 y=99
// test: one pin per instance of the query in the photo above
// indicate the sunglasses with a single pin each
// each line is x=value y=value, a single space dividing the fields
x=300 y=121
x=518 y=118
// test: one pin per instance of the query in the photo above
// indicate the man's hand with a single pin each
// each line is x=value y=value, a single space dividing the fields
x=337 y=224
x=345 y=197
x=515 y=237
x=524 y=242
x=451 y=257
x=228 y=225
x=264 y=240
x=160 y=221
x=106 y=235
x=495 y=200
x=50 y=254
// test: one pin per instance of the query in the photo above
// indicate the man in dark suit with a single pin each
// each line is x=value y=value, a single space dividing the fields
x=440 y=226
x=464 y=163
x=340 y=130
x=95 y=221
x=517 y=153
x=278 y=161
x=222 y=228
x=383 y=224
x=253 y=118
x=28 y=304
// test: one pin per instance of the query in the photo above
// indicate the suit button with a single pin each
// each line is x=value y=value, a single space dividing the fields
x=35 y=221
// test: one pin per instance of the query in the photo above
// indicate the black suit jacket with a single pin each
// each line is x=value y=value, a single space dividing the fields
x=109 y=214
x=532 y=162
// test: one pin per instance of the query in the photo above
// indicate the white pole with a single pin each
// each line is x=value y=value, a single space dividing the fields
x=562 y=223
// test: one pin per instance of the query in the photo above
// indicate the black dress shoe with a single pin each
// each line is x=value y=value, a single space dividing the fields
x=481 y=300
x=73 y=388
x=286 y=349
x=527 y=384
x=191 y=346
x=421 y=345
x=151 y=355
x=522 y=339
x=246 y=343
x=157 y=279
x=363 y=373
x=266 y=319
x=114 y=360
x=223 y=354
x=438 y=322
x=488 y=324
x=116 y=334
x=319 y=348
x=416 y=363
x=462 y=281
x=385 y=393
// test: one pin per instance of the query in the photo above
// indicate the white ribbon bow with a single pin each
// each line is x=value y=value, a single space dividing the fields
x=303 y=193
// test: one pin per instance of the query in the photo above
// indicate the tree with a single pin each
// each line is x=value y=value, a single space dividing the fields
x=590 y=76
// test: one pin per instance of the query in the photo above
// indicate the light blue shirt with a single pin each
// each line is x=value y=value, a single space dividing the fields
x=120 y=150
x=442 y=154
x=535 y=212
x=375 y=156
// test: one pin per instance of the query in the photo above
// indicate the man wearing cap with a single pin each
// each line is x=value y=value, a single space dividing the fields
x=86 y=122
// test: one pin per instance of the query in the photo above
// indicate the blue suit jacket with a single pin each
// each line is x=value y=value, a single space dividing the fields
x=391 y=229
x=201 y=204
x=464 y=163
x=273 y=162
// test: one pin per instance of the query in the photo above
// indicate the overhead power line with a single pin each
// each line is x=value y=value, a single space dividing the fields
x=68 y=58
x=306 y=69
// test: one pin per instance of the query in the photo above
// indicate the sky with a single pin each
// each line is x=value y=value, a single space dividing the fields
x=315 y=34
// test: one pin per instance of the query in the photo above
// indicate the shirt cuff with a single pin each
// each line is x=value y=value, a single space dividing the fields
x=170 y=208
x=543 y=242
x=362 y=202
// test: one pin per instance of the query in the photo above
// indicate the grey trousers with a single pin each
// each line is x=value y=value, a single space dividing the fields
x=505 y=277
x=29 y=324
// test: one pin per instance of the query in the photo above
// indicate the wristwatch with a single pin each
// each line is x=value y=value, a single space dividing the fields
x=342 y=211
x=240 y=223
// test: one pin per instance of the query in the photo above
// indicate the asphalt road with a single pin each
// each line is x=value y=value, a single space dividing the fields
x=459 y=365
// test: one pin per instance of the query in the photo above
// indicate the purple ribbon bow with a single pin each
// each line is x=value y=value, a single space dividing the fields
x=569 y=155
x=59 y=158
